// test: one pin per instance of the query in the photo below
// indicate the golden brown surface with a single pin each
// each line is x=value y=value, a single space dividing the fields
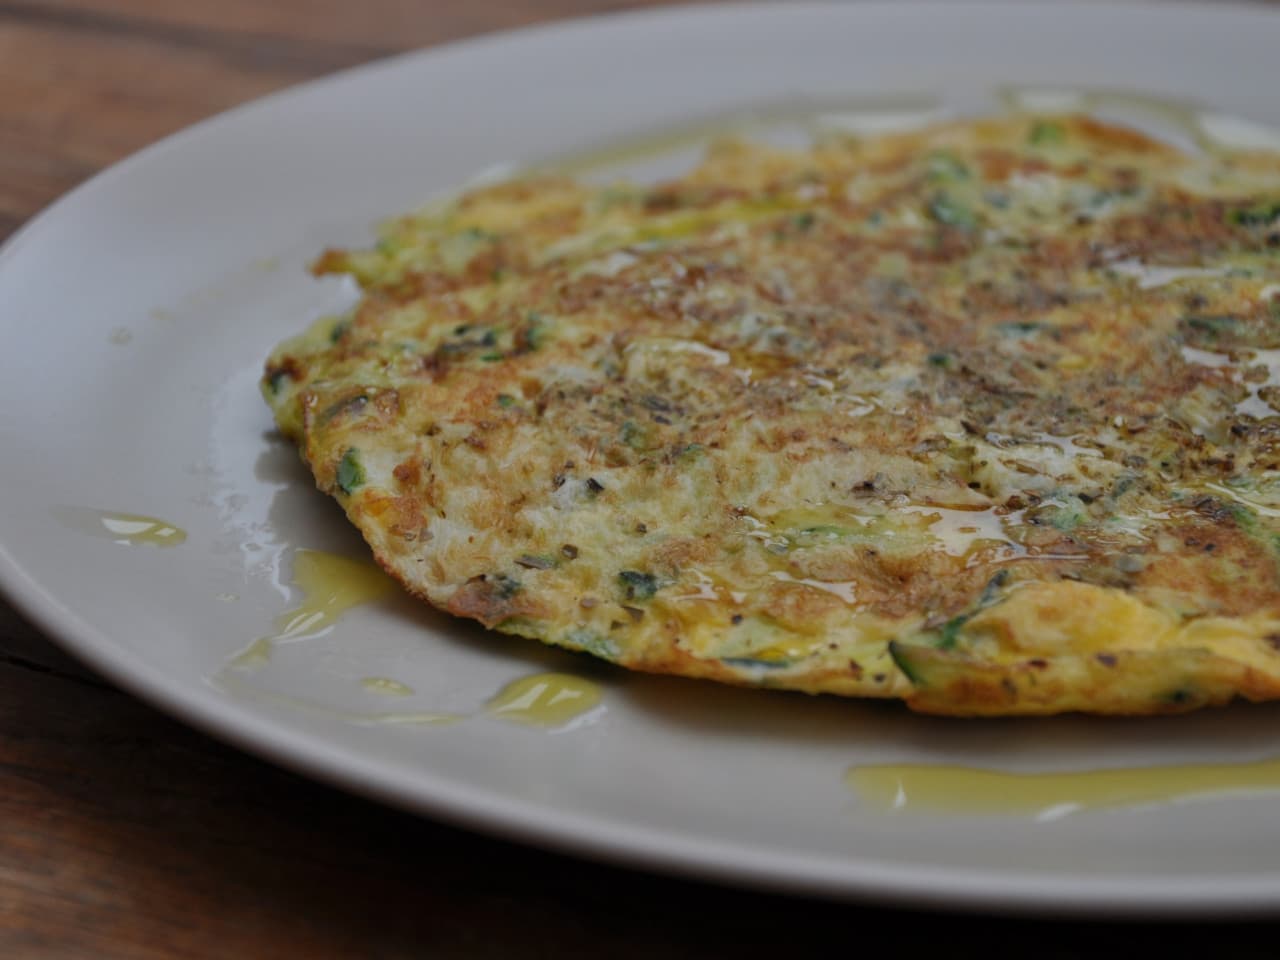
x=980 y=417
x=128 y=835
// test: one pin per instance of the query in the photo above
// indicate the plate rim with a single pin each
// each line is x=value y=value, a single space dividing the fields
x=593 y=835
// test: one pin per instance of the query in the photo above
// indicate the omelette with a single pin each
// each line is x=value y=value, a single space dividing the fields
x=984 y=417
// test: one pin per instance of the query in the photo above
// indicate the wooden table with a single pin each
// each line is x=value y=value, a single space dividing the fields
x=127 y=835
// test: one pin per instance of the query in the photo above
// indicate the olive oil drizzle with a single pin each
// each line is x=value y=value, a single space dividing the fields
x=234 y=683
x=1043 y=797
x=386 y=686
x=132 y=529
x=545 y=699
x=331 y=585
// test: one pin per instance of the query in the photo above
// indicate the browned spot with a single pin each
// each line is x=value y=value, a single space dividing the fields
x=409 y=472
x=330 y=261
x=387 y=403
x=416 y=285
x=406 y=520
x=1121 y=138
x=1237 y=577
x=996 y=164
x=491 y=601
x=681 y=552
x=288 y=365
x=800 y=607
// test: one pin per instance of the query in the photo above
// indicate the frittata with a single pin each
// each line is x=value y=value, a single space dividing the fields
x=984 y=417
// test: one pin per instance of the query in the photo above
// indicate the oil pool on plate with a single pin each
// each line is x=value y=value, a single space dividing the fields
x=1043 y=797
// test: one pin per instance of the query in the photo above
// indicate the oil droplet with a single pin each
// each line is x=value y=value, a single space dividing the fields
x=961 y=533
x=331 y=585
x=1260 y=508
x=1204 y=358
x=385 y=685
x=1179 y=115
x=422 y=719
x=970 y=532
x=1067 y=446
x=545 y=699
x=1237 y=133
x=124 y=528
x=230 y=683
x=1042 y=100
x=1253 y=404
x=877 y=122
x=706 y=588
x=1151 y=275
x=758 y=530
x=254 y=655
x=844 y=589
x=1044 y=797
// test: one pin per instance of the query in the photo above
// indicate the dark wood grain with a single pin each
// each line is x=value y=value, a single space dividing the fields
x=85 y=82
x=126 y=834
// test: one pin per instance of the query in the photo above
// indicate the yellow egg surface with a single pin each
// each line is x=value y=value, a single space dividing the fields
x=984 y=417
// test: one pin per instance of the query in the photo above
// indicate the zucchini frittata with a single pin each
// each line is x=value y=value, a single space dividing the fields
x=985 y=417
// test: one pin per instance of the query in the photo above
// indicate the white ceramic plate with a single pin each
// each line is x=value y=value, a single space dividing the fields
x=135 y=315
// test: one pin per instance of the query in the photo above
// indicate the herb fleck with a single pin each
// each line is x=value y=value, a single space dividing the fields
x=1019 y=327
x=339 y=330
x=690 y=451
x=536 y=561
x=275 y=379
x=1045 y=132
x=950 y=212
x=350 y=471
x=1259 y=215
x=533 y=334
x=901 y=655
x=945 y=165
x=637 y=585
x=633 y=436
x=505 y=587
